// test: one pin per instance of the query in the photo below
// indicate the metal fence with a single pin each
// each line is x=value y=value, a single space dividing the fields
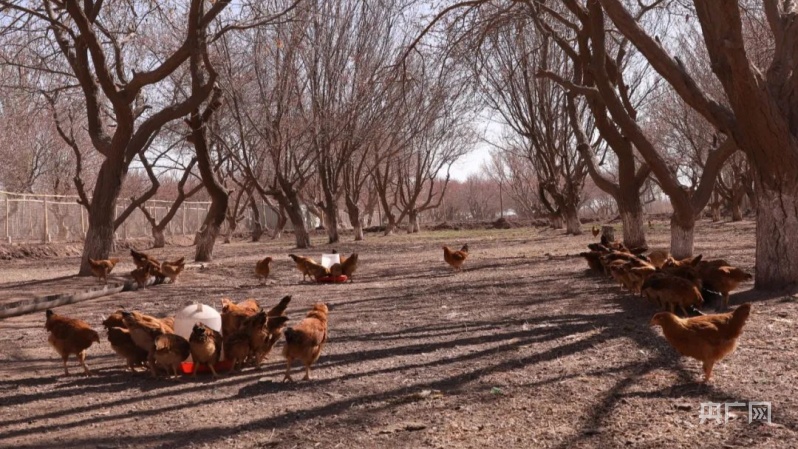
x=29 y=218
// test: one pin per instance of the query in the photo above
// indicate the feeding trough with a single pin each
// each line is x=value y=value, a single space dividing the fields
x=327 y=261
x=184 y=324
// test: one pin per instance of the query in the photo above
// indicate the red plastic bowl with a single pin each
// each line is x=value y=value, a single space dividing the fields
x=333 y=279
x=224 y=365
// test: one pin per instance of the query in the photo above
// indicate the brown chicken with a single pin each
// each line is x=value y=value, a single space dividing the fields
x=237 y=348
x=70 y=336
x=596 y=230
x=142 y=260
x=170 y=350
x=279 y=309
x=206 y=347
x=143 y=330
x=349 y=265
x=173 y=269
x=263 y=331
x=671 y=291
x=262 y=268
x=123 y=345
x=306 y=340
x=722 y=279
x=707 y=338
x=658 y=257
x=102 y=268
x=303 y=264
x=233 y=315
x=455 y=258
x=141 y=275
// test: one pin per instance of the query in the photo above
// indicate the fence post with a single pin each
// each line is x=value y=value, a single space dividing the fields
x=183 y=225
x=8 y=223
x=46 y=234
x=198 y=218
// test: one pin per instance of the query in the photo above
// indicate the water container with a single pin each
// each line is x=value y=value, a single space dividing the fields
x=328 y=260
x=194 y=313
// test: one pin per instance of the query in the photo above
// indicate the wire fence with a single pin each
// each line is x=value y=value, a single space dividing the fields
x=30 y=218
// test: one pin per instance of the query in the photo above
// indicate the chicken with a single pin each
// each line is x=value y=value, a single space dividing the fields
x=455 y=258
x=707 y=338
x=141 y=275
x=670 y=291
x=170 y=350
x=237 y=348
x=206 y=347
x=317 y=271
x=173 y=269
x=102 y=268
x=142 y=260
x=658 y=257
x=262 y=268
x=349 y=265
x=306 y=340
x=593 y=260
x=263 y=332
x=303 y=264
x=123 y=345
x=70 y=336
x=722 y=279
x=233 y=315
x=279 y=309
x=596 y=230
x=144 y=329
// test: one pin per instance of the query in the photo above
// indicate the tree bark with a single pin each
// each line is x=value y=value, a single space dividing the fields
x=99 y=241
x=776 y=245
x=159 y=240
x=293 y=209
x=631 y=210
x=413 y=225
x=257 y=227
x=354 y=217
x=331 y=219
x=572 y=224
x=682 y=235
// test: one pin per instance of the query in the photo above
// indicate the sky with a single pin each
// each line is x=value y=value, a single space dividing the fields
x=471 y=162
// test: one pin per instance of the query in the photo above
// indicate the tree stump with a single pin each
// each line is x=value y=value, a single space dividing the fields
x=608 y=232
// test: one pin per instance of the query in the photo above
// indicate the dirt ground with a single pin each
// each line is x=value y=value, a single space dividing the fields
x=522 y=349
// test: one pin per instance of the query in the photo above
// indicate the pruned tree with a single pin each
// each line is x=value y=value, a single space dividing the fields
x=109 y=55
x=761 y=112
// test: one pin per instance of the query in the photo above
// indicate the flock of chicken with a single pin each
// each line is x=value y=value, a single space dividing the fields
x=248 y=332
x=248 y=335
x=669 y=283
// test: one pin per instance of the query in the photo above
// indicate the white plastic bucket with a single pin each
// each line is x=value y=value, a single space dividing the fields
x=328 y=260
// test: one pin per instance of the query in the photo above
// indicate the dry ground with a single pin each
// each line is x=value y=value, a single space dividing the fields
x=522 y=349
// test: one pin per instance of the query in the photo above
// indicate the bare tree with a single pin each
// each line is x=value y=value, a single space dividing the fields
x=109 y=54
x=760 y=115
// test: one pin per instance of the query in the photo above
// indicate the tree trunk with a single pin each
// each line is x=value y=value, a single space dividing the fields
x=282 y=220
x=390 y=228
x=231 y=228
x=294 y=211
x=257 y=227
x=682 y=234
x=354 y=217
x=572 y=224
x=776 y=245
x=99 y=241
x=736 y=206
x=631 y=211
x=159 y=240
x=555 y=221
x=331 y=220
x=413 y=224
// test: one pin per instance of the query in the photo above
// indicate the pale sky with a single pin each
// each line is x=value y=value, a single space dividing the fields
x=471 y=162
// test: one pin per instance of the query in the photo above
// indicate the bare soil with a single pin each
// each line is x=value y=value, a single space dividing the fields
x=522 y=349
